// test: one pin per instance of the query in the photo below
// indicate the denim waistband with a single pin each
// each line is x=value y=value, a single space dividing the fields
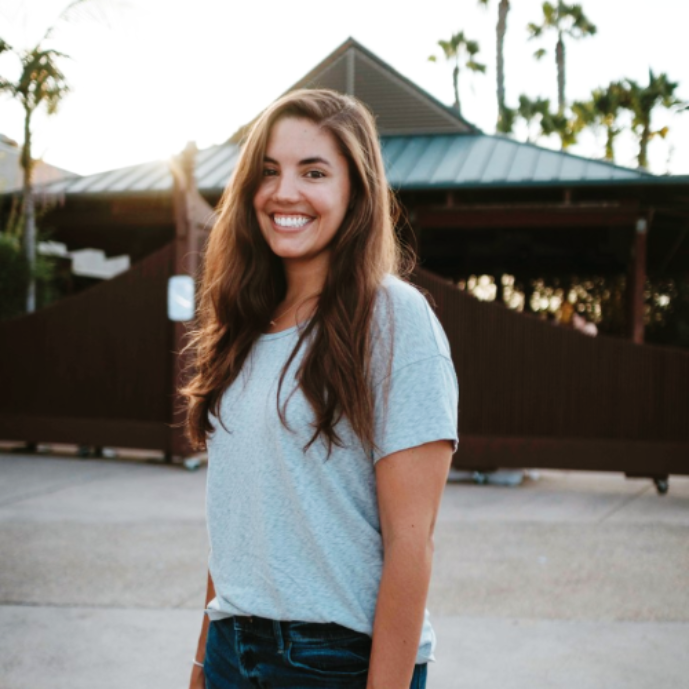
x=291 y=629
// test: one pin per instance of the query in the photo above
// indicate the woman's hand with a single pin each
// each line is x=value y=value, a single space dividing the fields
x=197 y=681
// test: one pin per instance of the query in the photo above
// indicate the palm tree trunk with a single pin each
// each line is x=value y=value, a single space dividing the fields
x=29 y=213
x=560 y=61
x=455 y=83
x=610 y=144
x=501 y=30
x=643 y=143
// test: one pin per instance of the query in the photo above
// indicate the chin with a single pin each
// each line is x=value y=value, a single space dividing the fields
x=287 y=251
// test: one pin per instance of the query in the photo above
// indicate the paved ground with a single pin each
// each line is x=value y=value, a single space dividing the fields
x=572 y=581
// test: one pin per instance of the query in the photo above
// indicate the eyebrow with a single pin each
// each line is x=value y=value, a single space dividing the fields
x=306 y=161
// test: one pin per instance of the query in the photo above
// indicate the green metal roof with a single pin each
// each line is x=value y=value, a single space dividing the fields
x=417 y=162
x=458 y=161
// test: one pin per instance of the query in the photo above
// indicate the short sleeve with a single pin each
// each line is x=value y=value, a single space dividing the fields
x=422 y=404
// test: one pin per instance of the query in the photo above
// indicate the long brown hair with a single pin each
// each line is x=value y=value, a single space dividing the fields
x=243 y=281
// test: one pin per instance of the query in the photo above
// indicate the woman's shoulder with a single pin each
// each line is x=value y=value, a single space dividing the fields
x=400 y=288
x=404 y=316
x=399 y=298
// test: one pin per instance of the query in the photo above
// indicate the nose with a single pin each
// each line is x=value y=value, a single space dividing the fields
x=287 y=189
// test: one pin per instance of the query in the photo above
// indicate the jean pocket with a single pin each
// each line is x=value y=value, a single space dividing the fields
x=332 y=657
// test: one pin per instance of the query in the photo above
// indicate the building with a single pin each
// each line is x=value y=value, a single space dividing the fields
x=475 y=203
x=533 y=395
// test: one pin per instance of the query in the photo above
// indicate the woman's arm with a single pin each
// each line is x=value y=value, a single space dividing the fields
x=410 y=486
x=197 y=680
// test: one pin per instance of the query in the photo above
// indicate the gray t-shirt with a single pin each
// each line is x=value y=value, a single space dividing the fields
x=295 y=537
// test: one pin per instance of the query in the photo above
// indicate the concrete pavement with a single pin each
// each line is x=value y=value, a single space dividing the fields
x=575 y=580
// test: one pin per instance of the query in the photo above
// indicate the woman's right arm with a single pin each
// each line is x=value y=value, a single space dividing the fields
x=197 y=680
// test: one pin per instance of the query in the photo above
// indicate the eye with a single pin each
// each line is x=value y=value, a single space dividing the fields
x=269 y=172
x=315 y=174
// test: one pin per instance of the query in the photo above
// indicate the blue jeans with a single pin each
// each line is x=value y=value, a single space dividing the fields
x=257 y=653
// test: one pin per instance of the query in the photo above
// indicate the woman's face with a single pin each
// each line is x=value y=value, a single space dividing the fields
x=304 y=192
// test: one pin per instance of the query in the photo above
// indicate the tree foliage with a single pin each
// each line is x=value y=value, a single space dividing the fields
x=14 y=277
x=603 y=109
x=41 y=84
x=540 y=121
x=565 y=21
x=641 y=101
x=454 y=50
x=532 y=111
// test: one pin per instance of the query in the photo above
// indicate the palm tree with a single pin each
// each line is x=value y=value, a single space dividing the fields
x=603 y=110
x=453 y=50
x=561 y=124
x=548 y=122
x=530 y=111
x=41 y=84
x=641 y=101
x=504 y=123
x=565 y=20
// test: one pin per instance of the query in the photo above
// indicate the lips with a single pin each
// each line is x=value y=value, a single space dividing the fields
x=292 y=222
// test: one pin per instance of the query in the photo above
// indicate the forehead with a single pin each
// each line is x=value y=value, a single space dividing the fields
x=295 y=139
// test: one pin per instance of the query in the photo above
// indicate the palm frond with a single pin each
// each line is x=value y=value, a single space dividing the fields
x=80 y=10
x=534 y=30
x=550 y=14
x=476 y=66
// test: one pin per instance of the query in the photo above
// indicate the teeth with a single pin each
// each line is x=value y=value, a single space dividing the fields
x=291 y=220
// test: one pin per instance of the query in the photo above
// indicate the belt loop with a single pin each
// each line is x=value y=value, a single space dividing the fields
x=277 y=630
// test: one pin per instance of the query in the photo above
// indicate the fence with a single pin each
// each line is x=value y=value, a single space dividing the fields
x=536 y=395
x=99 y=368
x=96 y=368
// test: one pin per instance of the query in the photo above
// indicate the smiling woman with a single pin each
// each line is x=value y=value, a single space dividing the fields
x=303 y=197
x=327 y=400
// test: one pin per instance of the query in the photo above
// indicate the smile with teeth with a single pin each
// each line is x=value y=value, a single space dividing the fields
x=291 y=220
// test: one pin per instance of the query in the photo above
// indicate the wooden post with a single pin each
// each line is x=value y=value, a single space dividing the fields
x=636 y=282
x=183 y=182
x=192 y=215
x=179 y=447
x=499 y=287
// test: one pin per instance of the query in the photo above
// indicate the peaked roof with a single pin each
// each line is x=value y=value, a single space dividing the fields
x=400 y=106
x=425 y=144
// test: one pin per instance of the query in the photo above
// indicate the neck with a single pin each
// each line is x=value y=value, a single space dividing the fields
x=304 y=278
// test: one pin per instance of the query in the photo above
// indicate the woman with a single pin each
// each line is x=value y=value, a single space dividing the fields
x=326 y=397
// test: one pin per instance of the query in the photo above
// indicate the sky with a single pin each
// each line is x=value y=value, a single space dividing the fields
x=147 y=76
